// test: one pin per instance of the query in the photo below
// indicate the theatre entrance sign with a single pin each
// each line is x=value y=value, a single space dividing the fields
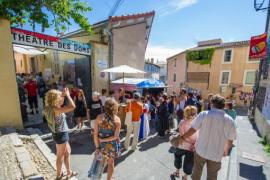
x=29 y=38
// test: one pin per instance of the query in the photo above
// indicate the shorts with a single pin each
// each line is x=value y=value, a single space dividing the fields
x=80 y=113
x=187 y=156
x=60 y=138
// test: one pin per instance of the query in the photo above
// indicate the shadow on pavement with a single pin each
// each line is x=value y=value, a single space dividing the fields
x=241 y=111
x=251 y=172
x=123 y=157
x=152 y=142
x=254 y=126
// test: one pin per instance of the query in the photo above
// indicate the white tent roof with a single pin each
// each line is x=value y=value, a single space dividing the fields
x=123 y=69
x=27 y=50
x=134 y=81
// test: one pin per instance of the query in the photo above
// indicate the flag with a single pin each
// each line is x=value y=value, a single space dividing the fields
x=258 y=46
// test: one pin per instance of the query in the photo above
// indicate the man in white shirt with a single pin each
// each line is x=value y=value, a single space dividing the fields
x=217 y=131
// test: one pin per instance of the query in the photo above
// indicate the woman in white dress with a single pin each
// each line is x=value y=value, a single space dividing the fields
x=144 y=126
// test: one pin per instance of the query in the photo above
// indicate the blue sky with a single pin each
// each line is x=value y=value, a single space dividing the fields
x=179 y=24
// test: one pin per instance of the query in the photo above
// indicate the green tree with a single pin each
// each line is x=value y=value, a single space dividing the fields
x=19 y=12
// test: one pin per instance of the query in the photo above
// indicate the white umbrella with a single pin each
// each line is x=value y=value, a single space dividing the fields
x=123 y=69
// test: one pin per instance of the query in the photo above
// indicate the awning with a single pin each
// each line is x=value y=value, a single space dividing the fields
x=151 y=83
x=27 y=50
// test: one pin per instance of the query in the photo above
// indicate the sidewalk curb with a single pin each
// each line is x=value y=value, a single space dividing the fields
x=23 y=157
x=45 y=150
x=232 y=168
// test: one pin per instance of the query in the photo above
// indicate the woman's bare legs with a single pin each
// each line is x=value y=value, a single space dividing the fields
x=67 y=158
x=110 y=168
x=79 y=122
x=60 y=151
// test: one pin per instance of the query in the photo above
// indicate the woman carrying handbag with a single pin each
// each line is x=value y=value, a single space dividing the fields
x=185 y=151
x=106 y=135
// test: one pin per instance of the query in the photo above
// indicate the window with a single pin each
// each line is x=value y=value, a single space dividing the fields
x=249 y=77
x=227 y=56
x=174 y=77
x=174 y=62
x=225 y=77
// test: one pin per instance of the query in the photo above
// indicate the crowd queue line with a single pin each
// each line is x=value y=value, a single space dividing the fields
x=205 y=130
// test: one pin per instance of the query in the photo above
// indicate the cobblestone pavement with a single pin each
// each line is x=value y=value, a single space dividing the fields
x=40 y=161
x=9 y=168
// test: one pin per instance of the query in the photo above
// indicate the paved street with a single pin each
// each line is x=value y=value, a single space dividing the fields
x=153 y=161
x=257 y=166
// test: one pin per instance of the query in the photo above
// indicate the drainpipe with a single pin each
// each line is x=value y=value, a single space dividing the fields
x=110 y=35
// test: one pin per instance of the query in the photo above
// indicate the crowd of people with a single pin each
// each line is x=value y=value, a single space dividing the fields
x=30 y=87
x=205 y=128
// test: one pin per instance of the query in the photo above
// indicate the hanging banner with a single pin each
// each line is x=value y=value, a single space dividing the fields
x=30 y=38
x=258 y=47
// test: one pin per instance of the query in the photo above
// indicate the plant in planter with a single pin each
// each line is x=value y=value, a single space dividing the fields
x=201 y=56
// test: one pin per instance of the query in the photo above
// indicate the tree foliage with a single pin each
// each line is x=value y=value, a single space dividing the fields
x=19 y=12
x=201 y=56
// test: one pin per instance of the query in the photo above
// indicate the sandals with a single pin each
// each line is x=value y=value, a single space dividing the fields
x=184 y=178
x=175 y=175
x=60 y=177
x=72 y=174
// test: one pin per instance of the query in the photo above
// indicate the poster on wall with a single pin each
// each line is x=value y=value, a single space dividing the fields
x=102 y=64
x=258 y=47
x=69 y=71
x=47 y=74
x=266 y=105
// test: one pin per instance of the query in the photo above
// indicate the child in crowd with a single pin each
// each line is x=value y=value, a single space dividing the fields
x=230 y=111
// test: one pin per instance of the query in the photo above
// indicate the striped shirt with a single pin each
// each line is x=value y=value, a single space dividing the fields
x=215 y=128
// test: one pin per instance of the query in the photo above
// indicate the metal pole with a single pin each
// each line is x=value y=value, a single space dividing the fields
x=123 y=80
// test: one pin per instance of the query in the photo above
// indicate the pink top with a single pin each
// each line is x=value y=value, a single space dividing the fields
x=188 y=143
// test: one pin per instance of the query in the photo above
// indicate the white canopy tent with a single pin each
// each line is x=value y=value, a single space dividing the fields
x=133 y=81
x=124 y=69
x=27 y=50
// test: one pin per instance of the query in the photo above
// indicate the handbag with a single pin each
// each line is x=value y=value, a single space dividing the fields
x=128 y=118
x=97 y=167
x=174 y=139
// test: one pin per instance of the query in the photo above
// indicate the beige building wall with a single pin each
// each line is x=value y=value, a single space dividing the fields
x=100 y=61
x=176 y=65
x=238 y=67
x=23 y=62
x=129 y=45
x=20 y=62
x=10 y=113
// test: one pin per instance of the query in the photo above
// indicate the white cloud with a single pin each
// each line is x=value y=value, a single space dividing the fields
x=174 y=6
x=161 y=53
x=231 y=39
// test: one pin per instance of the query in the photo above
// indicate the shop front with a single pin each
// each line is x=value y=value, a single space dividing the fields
x=61 y=62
